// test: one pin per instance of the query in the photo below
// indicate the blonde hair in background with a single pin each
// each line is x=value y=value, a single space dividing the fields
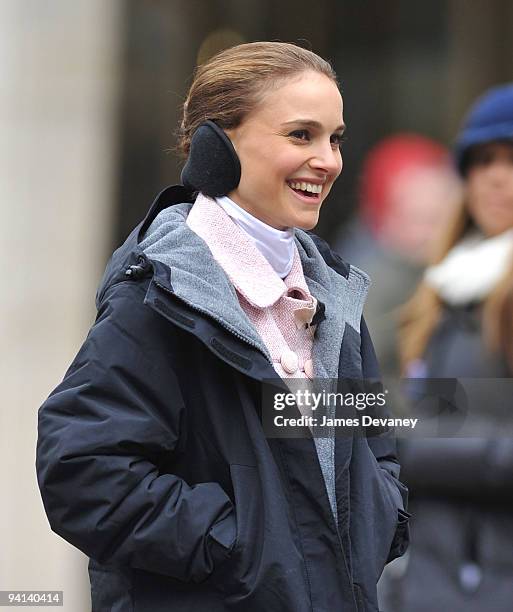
x=420 y=315
x=230 y=85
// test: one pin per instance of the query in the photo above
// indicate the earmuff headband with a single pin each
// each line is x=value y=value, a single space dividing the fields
x=213 y=166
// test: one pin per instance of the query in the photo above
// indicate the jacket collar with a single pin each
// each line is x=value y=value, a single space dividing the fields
x=169 y=196
x=239 y=257
x=184 y=267
x=188 y=271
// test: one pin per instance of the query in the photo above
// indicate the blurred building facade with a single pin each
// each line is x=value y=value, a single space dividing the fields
x=59 y=93
x=90 y=97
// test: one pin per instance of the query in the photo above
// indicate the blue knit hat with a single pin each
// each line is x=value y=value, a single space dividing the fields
x=489 y=119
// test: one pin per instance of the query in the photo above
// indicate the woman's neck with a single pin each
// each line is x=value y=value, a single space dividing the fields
x=277 y=246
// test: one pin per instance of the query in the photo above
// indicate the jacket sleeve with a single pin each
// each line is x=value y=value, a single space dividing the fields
x=101 y=434
x=383 y=447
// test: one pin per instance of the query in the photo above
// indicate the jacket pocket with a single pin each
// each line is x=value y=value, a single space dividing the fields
x=401 y=536
x=388 y=521
x=238 y=575
x=222 y=537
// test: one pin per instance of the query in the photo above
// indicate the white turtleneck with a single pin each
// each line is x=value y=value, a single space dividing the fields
x=277 y=246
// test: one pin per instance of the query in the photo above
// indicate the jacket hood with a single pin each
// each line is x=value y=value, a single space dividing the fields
x=194 y=275
x=129 y=252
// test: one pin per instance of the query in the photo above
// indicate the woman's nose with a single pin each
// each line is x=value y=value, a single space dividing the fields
x=327 y=159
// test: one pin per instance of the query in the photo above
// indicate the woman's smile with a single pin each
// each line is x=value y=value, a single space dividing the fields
x=307 y=190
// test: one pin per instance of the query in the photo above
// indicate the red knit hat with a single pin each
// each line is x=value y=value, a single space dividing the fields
x=384 y=162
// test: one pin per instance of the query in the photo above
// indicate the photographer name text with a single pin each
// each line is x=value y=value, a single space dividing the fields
x=325 y=421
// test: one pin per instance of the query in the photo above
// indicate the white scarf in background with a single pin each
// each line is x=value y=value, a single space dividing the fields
x=277 y=246
x=472 y=268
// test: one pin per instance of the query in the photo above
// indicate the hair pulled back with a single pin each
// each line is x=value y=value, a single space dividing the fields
x=231 y=84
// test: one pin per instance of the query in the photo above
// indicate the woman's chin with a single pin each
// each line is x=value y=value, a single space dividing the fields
x=308 y=221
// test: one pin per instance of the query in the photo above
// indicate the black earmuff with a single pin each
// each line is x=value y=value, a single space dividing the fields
x=213 y=166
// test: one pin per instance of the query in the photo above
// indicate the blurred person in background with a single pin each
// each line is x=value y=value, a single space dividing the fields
x=151 y=456
x=459 y=323
x=408 y=192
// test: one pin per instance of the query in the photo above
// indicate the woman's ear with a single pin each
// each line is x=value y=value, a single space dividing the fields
x=213 y=166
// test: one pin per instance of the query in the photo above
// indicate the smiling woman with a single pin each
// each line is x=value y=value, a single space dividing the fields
x=152 y=456
x=289 y=147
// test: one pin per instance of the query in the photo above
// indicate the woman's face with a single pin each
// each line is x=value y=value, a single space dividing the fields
x=490 y=187
x=289 y=149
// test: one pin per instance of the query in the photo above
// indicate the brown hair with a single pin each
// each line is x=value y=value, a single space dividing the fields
x=420 y=315
x=230 y=84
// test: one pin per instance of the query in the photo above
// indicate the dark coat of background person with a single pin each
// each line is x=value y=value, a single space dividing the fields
x=461 y=492
x=153 y=461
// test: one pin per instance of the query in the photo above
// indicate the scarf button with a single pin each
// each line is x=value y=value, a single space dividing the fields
x=289 y=361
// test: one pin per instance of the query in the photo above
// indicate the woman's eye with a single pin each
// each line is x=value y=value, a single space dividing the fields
x=305 y=136
x=300 y=135
x=337 y=139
